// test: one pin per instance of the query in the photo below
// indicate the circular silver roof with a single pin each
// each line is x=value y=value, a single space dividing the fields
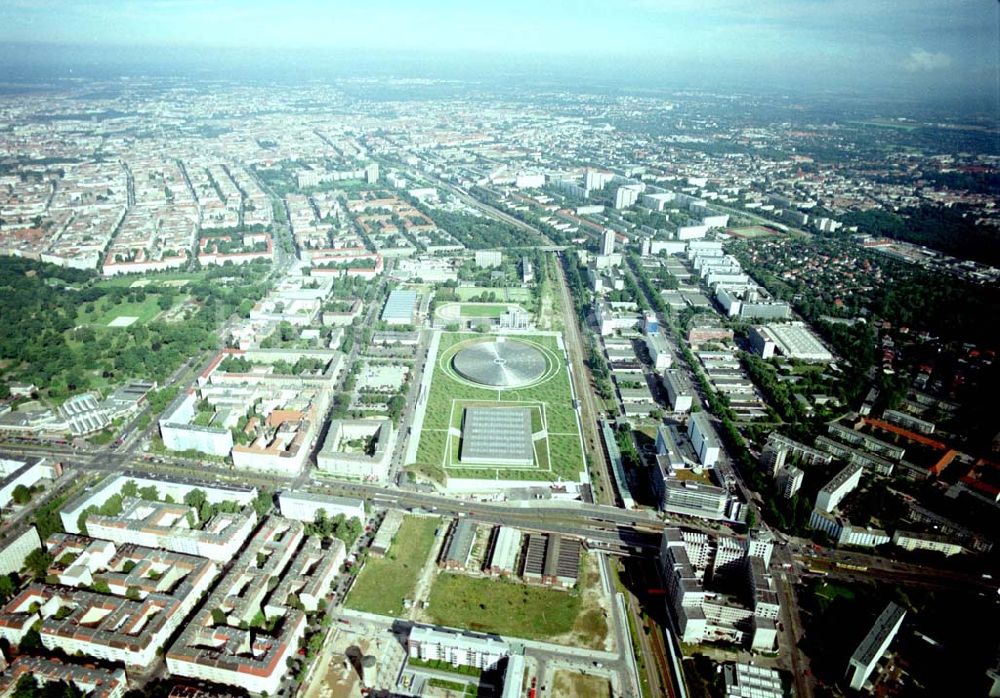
x=502 y=363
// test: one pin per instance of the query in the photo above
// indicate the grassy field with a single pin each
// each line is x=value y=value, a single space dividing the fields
x=454 y=688
x=568 y=683
x=510 y=295
x=828 y=593
x=104 y=312
x=482 y=310
x=508 y=608
x=566 y=458
x=385 y=582
x=519 y=610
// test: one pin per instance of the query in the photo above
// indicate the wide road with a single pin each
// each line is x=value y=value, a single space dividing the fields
x=584 y=385
x=467 y=198
x=348 y=365
x=850 y=566
x=792 y=636
x=604 y=525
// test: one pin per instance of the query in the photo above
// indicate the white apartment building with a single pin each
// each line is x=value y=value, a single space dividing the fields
x=704 y=439
x=15 y=549
x=842 y=484
x=303 y=506
x=487 y=259
x=926 y=541
x=455 y=647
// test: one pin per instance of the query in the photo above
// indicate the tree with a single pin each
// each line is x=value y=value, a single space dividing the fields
x=21 y=495
x=263 y=503
x=130 y=489
x=112 y=507
x=321 y=523
x=38 y=562
x=395 y=407
x=7 y=587
x=81 y=520
x=195 y=499
x=31 y=642
x=47 y=519
x=26 y=687
x=351 y=531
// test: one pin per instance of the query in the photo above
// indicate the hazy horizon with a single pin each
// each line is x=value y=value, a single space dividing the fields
x=930 y=49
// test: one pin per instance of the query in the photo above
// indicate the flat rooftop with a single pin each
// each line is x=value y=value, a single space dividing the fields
x=842 y=477
x=400 y=306
x=497 y=435
x=795 y=340
x=885 y=626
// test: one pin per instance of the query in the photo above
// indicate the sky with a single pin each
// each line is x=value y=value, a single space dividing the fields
x=917 y=45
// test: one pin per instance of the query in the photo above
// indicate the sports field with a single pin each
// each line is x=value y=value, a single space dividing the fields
x=455 y=312
x=503 y=295
x=753 y=231
x=555 y=431
x=482 y=310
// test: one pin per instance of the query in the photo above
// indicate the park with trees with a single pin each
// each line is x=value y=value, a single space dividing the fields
x=47 y=341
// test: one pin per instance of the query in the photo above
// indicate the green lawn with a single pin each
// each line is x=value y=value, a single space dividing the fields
x=828 y=593
x=515 y=609
x=564 y=449
x=203 y=419
x=482 y=310
x=102 y=438
x=385 y=582
x=566 y=460
x=449 y=685
x=104 y=312
x=440 y=665
x=431 y=448
x=507 y=608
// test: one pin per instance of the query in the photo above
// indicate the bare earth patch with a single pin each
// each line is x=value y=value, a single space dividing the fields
x=568 y=683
